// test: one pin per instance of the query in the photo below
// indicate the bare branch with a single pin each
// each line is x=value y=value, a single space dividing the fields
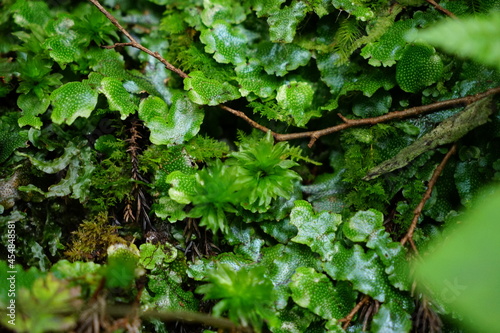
x=314 y=135
x=136 y=44
x=430 y=186
x=443 y=10
x=347 y=319
x=184 y=316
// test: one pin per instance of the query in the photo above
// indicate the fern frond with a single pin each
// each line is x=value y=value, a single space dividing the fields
x=296 y=155
x=348 y=32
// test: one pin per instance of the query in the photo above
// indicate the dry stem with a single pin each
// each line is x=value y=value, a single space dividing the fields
x=445 y=11
x=430 y=186
x=347 y=319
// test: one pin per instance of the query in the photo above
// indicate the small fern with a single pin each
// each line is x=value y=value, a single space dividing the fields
x=347 y=34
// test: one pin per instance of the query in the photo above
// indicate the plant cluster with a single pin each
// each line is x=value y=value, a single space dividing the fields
x=168 y=164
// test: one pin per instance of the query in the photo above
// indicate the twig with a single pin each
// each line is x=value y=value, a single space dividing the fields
x=438 y=7
x=134 y=43
x=250 y=121
x=347 y=319
x=315 y=135
x=430 y=186
x=184 y=316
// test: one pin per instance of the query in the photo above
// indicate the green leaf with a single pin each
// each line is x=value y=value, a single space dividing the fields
x=316 y=292
x=202 y=90
x=389 y=48
x=121 y=265
x=118 y=97
x=283 y=23
x=57 y=164
x=296 y=98
x=363 y=224
x=418 y=68
x=62 y=49
x=315 y=230
x=448 y=131
x=30 y=12
x=167 y=208
x=279 y=59
x=252 y=79
x=63 y=269
x=391 y=318
x=156 y=255
x=223 y=11
x=32 y=106
x=281 y=262
x=354 y=7
x=228 y=43
x=461 y=37
x=72 y=100
x=167 y=293
x=461 y=273
x=374 y=106
x=180 y=123
x=468 y=180
x=266 y=7
x=213 y=191
x=183 y=187
x=293 y=319
x=364 y=270
x=11 y=138
x=49 y=305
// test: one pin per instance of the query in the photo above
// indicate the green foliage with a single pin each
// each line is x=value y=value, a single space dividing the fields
x=49 y=305
x=92 y=239
x=450 y=130
x=264 y=170
x=316 y=292
x=203 y=90
x=318 y=232
x=459 y=290
x=97 y=142
x=460 y=38
x=418 y=68
x=72 y=100
x=120 y=271
x=246 y=294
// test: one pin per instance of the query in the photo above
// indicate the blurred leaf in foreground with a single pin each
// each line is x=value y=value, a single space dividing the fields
x=464 y=272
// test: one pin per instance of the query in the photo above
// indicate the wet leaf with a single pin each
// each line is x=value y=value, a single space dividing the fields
x=203 y=90
x=228 y=43
x=72 y=100
x=316 y=292
x=283 y=23
x=170 y=126
x=296 y=98
x=118 y=98
x=315 y=230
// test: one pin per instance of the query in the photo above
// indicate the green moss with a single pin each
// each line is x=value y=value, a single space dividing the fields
x=92 y=239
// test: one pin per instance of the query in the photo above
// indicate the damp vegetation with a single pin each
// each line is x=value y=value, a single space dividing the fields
x=249 y=166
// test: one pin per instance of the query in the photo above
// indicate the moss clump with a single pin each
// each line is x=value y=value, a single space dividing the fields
x=92 y=239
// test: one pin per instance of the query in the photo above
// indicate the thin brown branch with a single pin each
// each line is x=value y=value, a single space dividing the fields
x=314 y=135
x=134 y=43
x=441 y=9
x=185 y=316
x=248 y=120
x=347 y=319
x=430 y=186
